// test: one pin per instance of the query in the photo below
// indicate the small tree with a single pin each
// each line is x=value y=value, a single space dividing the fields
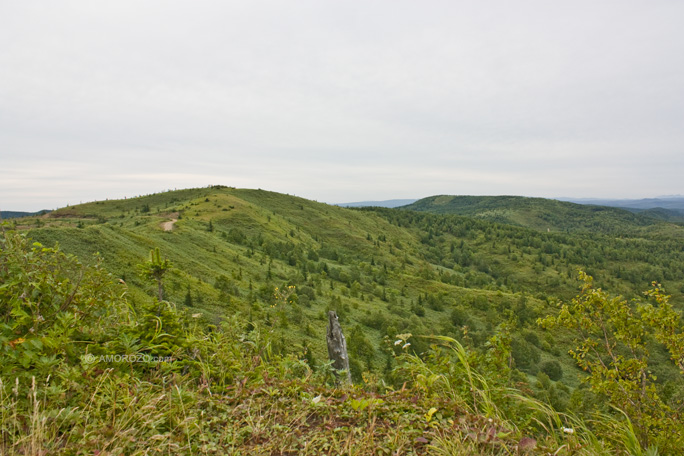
x=155 y=269
x=552 y=369
x=612 y=336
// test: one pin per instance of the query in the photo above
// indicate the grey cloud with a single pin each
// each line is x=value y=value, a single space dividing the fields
x=339 y=101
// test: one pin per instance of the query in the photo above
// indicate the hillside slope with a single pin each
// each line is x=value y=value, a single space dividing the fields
x=384 y=271
x=100 y=376
x=540 y=213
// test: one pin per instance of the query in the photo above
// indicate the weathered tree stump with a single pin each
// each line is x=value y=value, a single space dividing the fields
x=337 y=348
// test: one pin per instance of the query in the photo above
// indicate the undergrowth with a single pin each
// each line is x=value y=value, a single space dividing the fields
x=85 y=372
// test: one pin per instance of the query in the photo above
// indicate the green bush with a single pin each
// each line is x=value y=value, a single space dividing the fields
x=52 y=307
x=553 y=369
x=611 y=338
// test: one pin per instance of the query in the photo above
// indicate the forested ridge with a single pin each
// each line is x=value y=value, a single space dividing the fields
x=546 y=214
x=412 y=289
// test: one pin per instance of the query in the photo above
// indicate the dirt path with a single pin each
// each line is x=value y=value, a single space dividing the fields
x=168 y=226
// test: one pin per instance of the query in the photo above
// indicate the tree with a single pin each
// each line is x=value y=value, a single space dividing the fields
x=553 y=369
x=155 y=269
x=360 y=347
x=612 y=336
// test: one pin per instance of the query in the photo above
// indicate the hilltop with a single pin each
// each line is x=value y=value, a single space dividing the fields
x=674 y=202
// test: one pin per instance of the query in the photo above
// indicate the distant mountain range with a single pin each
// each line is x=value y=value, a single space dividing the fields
x=670 y=208
x=386 y=203
x=17 y=214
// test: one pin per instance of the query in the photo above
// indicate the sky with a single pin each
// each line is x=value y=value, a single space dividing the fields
x=340 y=101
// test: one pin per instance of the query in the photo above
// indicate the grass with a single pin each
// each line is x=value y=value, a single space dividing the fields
x=200 y=256
x=255 y=232
x=386 y=272
x=226 y=390
x=270 y=416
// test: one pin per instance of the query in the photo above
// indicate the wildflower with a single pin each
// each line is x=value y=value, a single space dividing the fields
x=568 y=430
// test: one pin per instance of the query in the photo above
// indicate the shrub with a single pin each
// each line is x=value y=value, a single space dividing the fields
x=52 y=308
x=553 y=369
x=610 y=336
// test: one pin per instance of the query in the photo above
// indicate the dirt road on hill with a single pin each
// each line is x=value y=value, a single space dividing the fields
x=168 y=226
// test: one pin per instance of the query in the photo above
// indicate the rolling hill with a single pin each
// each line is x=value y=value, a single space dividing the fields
x=542 y=214
x=385 y=271
x=675 y=203
x=278 y=263
x=17 y=214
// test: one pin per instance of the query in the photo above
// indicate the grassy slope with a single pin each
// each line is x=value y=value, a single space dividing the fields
x=226 y=393
x=410 y=276
x=124 y=235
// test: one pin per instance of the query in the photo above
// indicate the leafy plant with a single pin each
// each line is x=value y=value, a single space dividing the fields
x=51 y=307
x=613 y=348
x=155 y=269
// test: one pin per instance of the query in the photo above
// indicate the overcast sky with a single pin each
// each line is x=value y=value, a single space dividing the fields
x=340 y=101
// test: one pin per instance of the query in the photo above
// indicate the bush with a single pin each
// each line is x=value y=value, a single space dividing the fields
x=553 y=369
x=611 y=337
x=52 y=308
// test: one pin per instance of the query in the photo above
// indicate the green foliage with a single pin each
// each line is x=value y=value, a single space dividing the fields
x=160 y=330
x=613 y=349
x=225 y=389
x=537 y=213
x=526 y=355
x=552 y=369
x=51 y=307
x=483 y=384
x=155 y=269
x=384 y=271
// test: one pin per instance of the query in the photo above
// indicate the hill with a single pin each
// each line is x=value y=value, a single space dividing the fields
x=236 y=253
x=384 y=271
x=104 y=377
x=670 y=209
x=668 y=215
x=675 y=203
x=541 y=214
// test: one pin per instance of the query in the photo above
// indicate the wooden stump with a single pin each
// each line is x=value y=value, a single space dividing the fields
x=337 y=348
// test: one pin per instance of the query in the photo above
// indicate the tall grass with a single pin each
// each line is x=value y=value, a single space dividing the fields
x=514 y=411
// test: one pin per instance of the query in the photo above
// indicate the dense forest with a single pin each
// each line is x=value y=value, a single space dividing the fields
x=468 y=322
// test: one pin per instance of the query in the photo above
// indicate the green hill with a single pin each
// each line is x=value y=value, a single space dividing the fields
x=232 y=247
x=670 y=215
x=384 y=271
x=235 y=253
x=541 y=214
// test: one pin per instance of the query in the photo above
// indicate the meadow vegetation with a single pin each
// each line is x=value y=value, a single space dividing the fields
x=458 y=330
